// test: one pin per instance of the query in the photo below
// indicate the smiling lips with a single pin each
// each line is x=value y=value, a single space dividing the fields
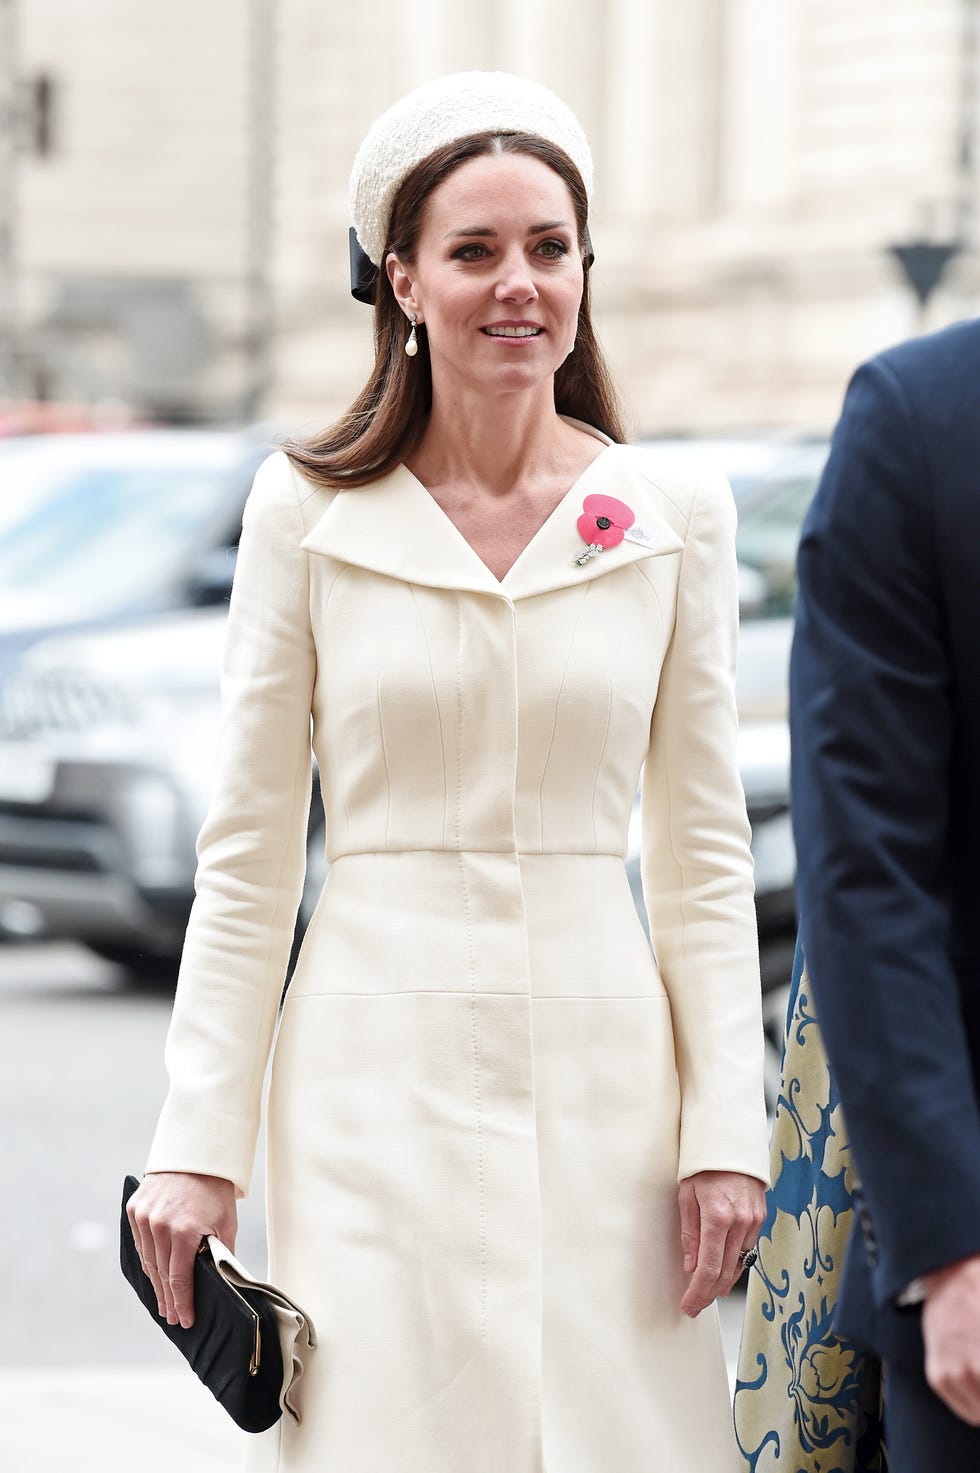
x=512 y=330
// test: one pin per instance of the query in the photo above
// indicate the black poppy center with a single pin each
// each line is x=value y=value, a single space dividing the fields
x=603 y=522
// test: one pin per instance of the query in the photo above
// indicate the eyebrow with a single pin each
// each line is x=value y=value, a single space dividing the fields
x=471 y=230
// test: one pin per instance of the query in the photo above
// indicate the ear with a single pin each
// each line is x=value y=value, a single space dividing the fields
x=402 y=284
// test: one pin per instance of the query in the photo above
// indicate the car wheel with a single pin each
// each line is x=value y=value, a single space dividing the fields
x=142 y=966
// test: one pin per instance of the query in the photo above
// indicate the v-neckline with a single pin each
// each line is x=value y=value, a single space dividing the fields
x=607 y=445
x=396 y=528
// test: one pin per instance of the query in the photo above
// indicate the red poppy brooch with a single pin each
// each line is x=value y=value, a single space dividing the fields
x=604 y=523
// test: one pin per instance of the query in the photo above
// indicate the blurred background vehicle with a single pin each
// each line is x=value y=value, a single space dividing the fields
x=99 y=531
x=107 y=746
x=99 y=528
x=108 y=737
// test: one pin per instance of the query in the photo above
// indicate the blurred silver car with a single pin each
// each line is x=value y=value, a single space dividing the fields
x=107 y=748
x=100 y=528
x=96 y=530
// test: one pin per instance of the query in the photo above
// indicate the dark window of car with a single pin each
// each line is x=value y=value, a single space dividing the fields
x=770 y=515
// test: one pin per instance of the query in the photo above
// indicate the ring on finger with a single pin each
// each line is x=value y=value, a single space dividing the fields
x=747 y=1257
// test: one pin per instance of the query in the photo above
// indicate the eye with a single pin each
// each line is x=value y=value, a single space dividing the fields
x=553 y=250
x=474 y=252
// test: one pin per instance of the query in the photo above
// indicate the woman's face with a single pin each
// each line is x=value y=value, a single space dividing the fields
x=498 y=276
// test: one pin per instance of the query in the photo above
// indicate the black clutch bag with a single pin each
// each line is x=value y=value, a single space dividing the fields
x=246 y=1338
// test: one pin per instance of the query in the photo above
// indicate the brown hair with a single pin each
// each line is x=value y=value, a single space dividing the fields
x=386 y=422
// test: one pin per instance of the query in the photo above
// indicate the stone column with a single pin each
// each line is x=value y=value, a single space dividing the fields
x=9 y=370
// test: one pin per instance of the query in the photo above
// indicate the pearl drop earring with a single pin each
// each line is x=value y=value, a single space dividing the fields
x=412 y=345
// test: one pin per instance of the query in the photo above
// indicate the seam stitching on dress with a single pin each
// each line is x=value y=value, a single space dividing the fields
x=384 y=759
x=598 y=766
x=587 y=588
x=472 y=849
x=653 y=589
x=435 y=699
x=346 y=568
x=460 y=992
x=481 y=1175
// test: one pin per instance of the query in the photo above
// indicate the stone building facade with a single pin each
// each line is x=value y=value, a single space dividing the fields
x=183 y=242
x=140 y=203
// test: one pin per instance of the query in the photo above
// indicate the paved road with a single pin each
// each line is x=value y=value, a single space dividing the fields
x=85 y=1379
x=81 y=1082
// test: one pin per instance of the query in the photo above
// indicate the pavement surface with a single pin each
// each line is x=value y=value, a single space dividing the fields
x=113 y=1420
x=124 y=1420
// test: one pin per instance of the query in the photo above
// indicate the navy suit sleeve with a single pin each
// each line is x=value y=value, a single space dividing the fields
x=871 y=718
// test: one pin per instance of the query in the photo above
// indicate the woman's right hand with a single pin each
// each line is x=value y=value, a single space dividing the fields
x=169 y=1214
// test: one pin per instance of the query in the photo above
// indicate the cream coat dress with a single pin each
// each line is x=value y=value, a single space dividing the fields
x=484 y=1085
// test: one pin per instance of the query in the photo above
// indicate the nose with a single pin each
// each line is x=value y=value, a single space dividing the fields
x=516 y=280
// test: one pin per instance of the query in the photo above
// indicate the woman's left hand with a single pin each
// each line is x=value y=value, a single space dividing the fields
x=721 y=1214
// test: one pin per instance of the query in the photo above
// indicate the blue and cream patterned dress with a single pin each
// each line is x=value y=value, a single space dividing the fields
x=805 y=1400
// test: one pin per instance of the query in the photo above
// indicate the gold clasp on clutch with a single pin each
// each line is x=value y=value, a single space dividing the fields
x=256 y=1358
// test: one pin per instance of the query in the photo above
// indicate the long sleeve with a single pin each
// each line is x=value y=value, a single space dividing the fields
x=872 y=730
x=697 y=865
x=251 y=851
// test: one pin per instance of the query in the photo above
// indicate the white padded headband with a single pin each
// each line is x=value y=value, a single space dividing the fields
x=438 y=113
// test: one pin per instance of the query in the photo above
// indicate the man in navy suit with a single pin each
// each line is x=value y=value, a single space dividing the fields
x=885 y=715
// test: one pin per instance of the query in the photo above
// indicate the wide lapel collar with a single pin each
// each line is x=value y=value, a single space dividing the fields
x=549 y=560
x=393 y=526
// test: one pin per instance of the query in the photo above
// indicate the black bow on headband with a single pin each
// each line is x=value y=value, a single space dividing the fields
x=364 y=273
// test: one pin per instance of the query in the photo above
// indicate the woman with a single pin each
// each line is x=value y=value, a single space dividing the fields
x=485 y=1089
x=806 y=1400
